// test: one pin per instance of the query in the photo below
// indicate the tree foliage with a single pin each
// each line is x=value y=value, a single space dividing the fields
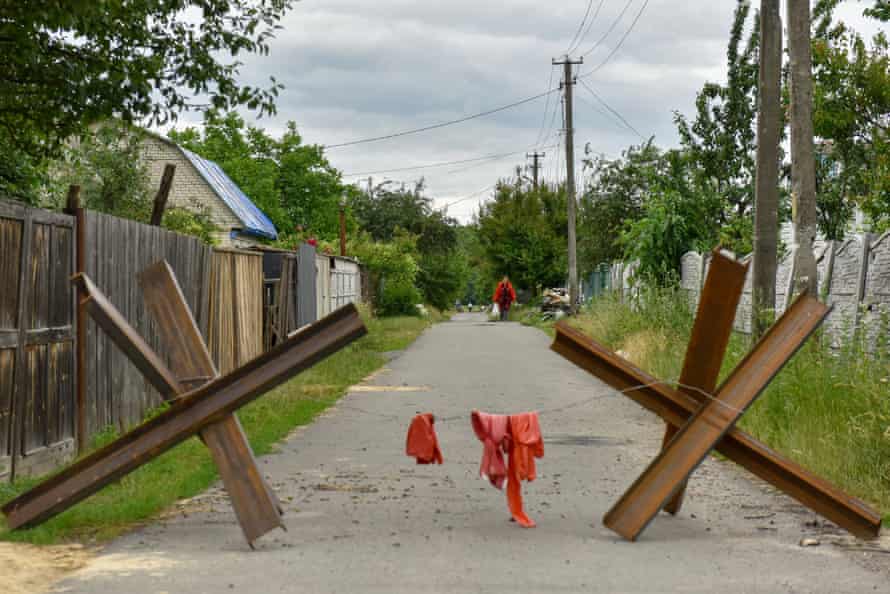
x=852 y=120
x=65 y=65
x=109 y=167
x=293 y=183
x=523 y=232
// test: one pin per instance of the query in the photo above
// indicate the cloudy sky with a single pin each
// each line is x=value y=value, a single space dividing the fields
x=354 y=69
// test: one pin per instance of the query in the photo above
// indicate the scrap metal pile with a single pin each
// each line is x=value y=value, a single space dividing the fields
x=701 y=417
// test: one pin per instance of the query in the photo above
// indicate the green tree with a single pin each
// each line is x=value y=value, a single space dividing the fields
x=385 y=213
x=613 y=196
x=720 y=140
x=65 y=65
x=293 y=183
x=852 y=119
x=109 y=167
x=523 y=234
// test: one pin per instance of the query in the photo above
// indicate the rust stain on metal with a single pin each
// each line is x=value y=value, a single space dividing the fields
x=710 y=336
x=676 y=408
x=670 y=469
x=256 y=506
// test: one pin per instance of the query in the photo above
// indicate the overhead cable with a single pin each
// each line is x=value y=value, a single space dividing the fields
x=620 y=42
x=442 y=124
x=609 y=30
x=609 y=107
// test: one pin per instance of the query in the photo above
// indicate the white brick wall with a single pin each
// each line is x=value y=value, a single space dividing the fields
x=188 y=186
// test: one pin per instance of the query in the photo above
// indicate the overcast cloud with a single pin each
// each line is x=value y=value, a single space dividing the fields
x=356 y=69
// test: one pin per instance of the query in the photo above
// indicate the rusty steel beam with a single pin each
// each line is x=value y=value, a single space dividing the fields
x=670 y=469
x=125 y=337
x=710 y=336
x=676 y=408
x=256 y=506
x=187 y=416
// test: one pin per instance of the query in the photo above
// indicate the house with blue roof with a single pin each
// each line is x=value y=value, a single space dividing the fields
x=201 y=183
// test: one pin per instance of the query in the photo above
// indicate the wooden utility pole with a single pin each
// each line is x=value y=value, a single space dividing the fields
x=803 y=163
x=157 y=213
x=343 y=225
x=568 y=82
x=766 y=191
x=535 y=157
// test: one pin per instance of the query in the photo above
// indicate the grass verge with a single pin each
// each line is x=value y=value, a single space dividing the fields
x=187 y=469
x=828 y=409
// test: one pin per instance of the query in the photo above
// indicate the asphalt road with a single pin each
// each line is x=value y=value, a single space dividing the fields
x=362 y=517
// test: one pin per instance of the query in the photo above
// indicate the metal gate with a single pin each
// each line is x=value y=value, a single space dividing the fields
x=307 y=305
x=37 y=396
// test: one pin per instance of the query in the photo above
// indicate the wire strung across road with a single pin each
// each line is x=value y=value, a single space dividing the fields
x=570 y=405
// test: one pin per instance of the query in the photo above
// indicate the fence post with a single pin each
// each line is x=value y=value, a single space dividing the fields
x=73 y=207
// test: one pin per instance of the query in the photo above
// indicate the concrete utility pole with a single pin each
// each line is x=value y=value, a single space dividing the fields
x=343 y=225
x=766 y=192
x=535 y=157
x=568 y=82
x=803 y=163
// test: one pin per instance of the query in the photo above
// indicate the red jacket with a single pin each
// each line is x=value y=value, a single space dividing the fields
x=504 y=295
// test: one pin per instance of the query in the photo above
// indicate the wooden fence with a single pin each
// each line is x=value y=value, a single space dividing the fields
x=45 y=406
x=236 y=309
x=116 y=250
x=36 y=339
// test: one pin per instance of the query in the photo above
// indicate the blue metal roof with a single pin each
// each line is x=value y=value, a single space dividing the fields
x=254 y=220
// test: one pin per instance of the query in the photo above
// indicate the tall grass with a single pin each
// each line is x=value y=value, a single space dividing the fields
x=187 y=469
x=828 y=409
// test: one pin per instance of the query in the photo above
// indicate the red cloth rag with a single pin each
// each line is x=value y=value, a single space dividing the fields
x=492 y=432
x=526 y=445
x=520 y=437
x=421 y=442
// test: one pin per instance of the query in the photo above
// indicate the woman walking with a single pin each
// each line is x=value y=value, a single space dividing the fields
x=504 y=296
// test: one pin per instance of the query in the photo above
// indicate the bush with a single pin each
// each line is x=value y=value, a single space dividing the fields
x=398 y=299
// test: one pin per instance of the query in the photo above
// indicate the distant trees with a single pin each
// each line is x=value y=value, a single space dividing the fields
x=390 y=214
x=523 y=234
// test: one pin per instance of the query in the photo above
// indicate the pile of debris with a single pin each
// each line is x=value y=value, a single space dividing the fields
x=555 y=303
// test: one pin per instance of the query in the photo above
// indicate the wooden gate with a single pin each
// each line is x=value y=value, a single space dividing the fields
x=36 y=340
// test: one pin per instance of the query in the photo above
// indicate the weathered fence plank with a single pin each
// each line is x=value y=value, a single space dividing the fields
x=36 y=338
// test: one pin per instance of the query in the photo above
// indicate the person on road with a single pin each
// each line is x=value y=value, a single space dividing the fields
x=504 y=296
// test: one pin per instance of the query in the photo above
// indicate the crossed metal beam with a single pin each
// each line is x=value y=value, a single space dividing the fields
x=698 y=422
x=208 y=409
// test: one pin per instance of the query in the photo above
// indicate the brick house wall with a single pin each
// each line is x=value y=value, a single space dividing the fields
x=189 y=188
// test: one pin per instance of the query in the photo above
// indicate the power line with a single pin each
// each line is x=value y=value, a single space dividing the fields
x=439 y=164
x=609 y=107
x=607 y=115
x=587 y=30
x=546 y=109
x=468 y=197
x=621 y=41
x=609 y=30
x=442 y=124
x=580 y=26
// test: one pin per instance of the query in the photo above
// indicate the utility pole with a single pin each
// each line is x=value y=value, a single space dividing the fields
x=535 y=156
x=568 y=81
x=766 y=191
x=803 y=163
x=370 y=186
